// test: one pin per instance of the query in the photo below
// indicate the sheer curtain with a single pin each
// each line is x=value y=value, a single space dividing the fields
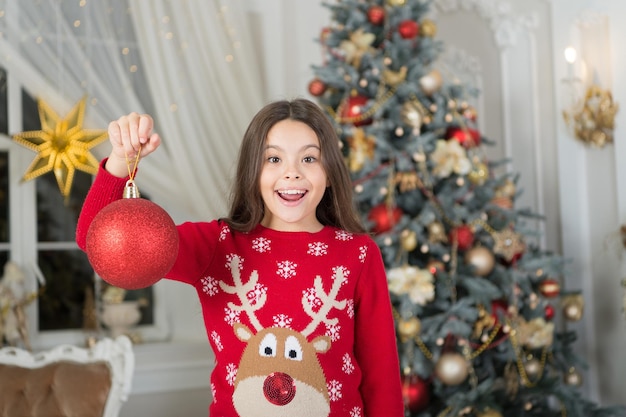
x=187 y=62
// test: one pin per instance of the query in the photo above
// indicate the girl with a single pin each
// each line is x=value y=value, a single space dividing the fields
x=293 y=292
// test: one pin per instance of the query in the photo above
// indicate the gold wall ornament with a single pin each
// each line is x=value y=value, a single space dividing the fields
x=592 y=119
x=62 y=145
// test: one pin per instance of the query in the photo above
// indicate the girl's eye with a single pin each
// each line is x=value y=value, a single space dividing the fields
x=273 y=159
x=309 y=159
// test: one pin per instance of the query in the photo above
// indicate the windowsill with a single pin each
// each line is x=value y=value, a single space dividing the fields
x=171 y=366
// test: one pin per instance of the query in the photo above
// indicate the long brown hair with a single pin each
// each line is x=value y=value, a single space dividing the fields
x=336 y=207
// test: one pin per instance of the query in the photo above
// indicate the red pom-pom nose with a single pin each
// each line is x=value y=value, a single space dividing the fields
x=132 y=243
x=279 y=388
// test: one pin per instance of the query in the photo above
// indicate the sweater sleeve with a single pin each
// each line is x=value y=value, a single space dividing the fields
x=375 y=342
x=105 y=189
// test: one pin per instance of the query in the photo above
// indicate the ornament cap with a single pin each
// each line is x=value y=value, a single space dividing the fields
x=131 y=190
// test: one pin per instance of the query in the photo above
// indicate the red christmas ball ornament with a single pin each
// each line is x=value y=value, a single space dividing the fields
x=468 y=138
x=132 y=243
x=353 y=111
x=550 y=288
x=548 y=312
x=408 y=29
x=416 y=393
x=463 y=235
x=376 y=15
x=317 y=87
x=384 y=217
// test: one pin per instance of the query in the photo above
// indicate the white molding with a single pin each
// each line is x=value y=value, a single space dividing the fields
x=504 y=24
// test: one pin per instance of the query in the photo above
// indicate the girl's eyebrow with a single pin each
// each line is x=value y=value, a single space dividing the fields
x=304 y=148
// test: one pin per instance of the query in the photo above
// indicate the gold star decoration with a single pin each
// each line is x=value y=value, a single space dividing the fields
x=508 y=244
x=62 y=145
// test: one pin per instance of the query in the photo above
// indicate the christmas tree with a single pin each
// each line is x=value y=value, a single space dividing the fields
x=475 y=298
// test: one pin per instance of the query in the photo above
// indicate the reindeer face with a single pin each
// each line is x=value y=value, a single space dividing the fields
x=279 y=374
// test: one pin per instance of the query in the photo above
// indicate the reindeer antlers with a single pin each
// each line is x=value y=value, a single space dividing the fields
x=328 y=302
x=242 y=290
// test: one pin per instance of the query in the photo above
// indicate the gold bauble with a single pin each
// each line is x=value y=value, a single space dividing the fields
x=573 y=378
x=508 y=189
x=451 y=368
x=436 y=232
x=573 y=306
x=482 y=259
x=408 y=329
x=412 y=114
x=479 y=174
x=428 y=28
x=431 y=82
x=533 y=368
x=489 y=413
x=408 y=240
x=396 y=3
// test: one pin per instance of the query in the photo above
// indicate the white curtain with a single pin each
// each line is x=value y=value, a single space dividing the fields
x=189 y=63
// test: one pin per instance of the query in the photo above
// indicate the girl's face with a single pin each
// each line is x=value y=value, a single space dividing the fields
x=292 y=179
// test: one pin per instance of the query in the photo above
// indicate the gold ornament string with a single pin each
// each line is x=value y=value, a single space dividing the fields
x=131 y=173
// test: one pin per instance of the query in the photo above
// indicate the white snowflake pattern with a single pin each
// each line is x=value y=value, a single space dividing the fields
x=345 y=271
x=318 y=249
x=261 y=244
x=213 y=392
x=350 y=308
x=256 y=293
x=348 y=366
x=217 y=340
x=363 y=255
x=286 y=269
x=210 y=286
x=356 y=412
x=224 y=232
x=311 y=297
x=343 y=235
x=282 y=320
x=334 y=390
x=232 y=256
x=231 y=316
x=231 y=373
x=332 y=331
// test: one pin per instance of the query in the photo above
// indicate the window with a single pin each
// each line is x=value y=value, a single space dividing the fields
x=37 y=231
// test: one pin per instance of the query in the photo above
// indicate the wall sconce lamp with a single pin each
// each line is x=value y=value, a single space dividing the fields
x=590 y=115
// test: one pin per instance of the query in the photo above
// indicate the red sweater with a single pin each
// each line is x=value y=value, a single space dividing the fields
x=300 y=323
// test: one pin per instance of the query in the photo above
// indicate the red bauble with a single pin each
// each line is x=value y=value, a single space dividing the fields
x=464 y=235
x=384 y=217
x=468 y=138
x=549 y=312
x=416 y=393
x=550 y=288
x=132 y=243
x=408 y=29
x=376 y=15
x=353 y=110
x=317 y=87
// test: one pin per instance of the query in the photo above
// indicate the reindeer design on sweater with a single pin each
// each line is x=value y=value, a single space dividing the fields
x=279 y=374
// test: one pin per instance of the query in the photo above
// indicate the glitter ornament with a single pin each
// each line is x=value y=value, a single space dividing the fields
x=416 y=393
x=468 y=138
x=317 y=87
x=408 y=29
x=376 y=15
x=481 y=259
x=353 y=111
x=279 y=388
x=132 y=242
x=384 y=217
x=463 y=235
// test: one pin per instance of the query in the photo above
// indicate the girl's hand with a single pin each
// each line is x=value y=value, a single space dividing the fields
x=130 y=135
